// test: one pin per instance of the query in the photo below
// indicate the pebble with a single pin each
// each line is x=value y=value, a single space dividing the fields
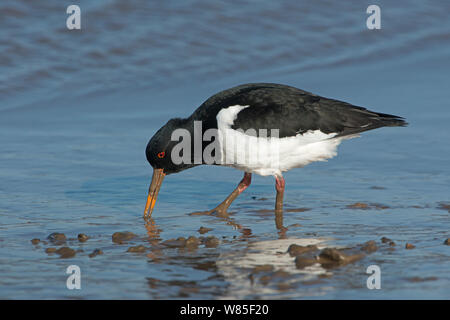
x=303 y=262
x=82 y=237
x=385 y=240
x=57 y=238
x=137 y=249
x=50 y=250
x=297 y=209
x=331 y=257
x=358 y=205
x=296 y=250
x=419 y=279
x=204 y=230
x=65 y=252
x=192 y=242
x=175 y=243
x=263 y=268
x=361 y=205
x=211 y=242
x=409 y=246
x=35 y=241
x=153 y=256
x=369 y=246
x=121 y=237
x=95 y=253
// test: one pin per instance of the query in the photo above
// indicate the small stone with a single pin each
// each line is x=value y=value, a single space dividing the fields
x=332 y=254
x=50 y=250
x=302 y=262
x=211 y=242
x=121 y=237
x=209 y=265
x=35 y=241
x=447 y=242
x=296 y=250
x=95 y=253
x=204 y=230
x=369 y=246
x=65 y=252
x=419 y=279
x=175 y=243
x=358 y=205
x=137 y=249
x=392 y=244
x=155 y=257
x=385 y=240
x=409 y=246
x=297 y=209
x=82 y=237
x=330 y=258
x=57 y=238
x=380 y=206
x=263 y=268
x=192 y=242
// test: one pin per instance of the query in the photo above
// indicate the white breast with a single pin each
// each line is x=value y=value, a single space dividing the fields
x=271 y=155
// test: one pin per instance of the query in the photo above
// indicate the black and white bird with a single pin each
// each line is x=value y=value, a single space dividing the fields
x=238 y=121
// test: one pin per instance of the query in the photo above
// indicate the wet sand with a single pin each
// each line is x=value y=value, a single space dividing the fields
x=240 y=264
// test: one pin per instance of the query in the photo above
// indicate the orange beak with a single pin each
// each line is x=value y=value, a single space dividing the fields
x=155 y=185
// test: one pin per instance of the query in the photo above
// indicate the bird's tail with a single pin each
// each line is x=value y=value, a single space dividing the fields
x=389 y=120
x=364 y=120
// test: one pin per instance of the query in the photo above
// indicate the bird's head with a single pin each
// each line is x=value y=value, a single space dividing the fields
x=159 y=155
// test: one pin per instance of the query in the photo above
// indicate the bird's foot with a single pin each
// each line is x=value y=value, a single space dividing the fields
x=219 y=212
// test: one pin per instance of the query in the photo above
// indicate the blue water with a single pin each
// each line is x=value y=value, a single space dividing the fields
x=77 y=109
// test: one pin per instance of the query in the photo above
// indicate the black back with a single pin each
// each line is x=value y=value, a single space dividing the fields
x=291 y=111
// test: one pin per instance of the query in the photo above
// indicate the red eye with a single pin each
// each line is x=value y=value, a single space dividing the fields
x=161 y=154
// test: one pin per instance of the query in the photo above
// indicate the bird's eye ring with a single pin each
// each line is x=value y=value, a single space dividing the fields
x=161 y=154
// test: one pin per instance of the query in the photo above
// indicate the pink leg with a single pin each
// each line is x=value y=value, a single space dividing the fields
x=279 y=186
x=245 y=182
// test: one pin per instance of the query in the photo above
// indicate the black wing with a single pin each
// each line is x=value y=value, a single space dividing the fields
x=293 y=111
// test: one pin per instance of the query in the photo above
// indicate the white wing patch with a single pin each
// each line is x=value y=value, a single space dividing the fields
x=226 y=117
x=270 y=155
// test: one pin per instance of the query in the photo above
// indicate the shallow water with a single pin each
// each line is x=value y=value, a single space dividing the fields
x=78 y=107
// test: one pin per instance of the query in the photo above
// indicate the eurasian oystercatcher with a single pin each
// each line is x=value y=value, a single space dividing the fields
x=233 y=127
